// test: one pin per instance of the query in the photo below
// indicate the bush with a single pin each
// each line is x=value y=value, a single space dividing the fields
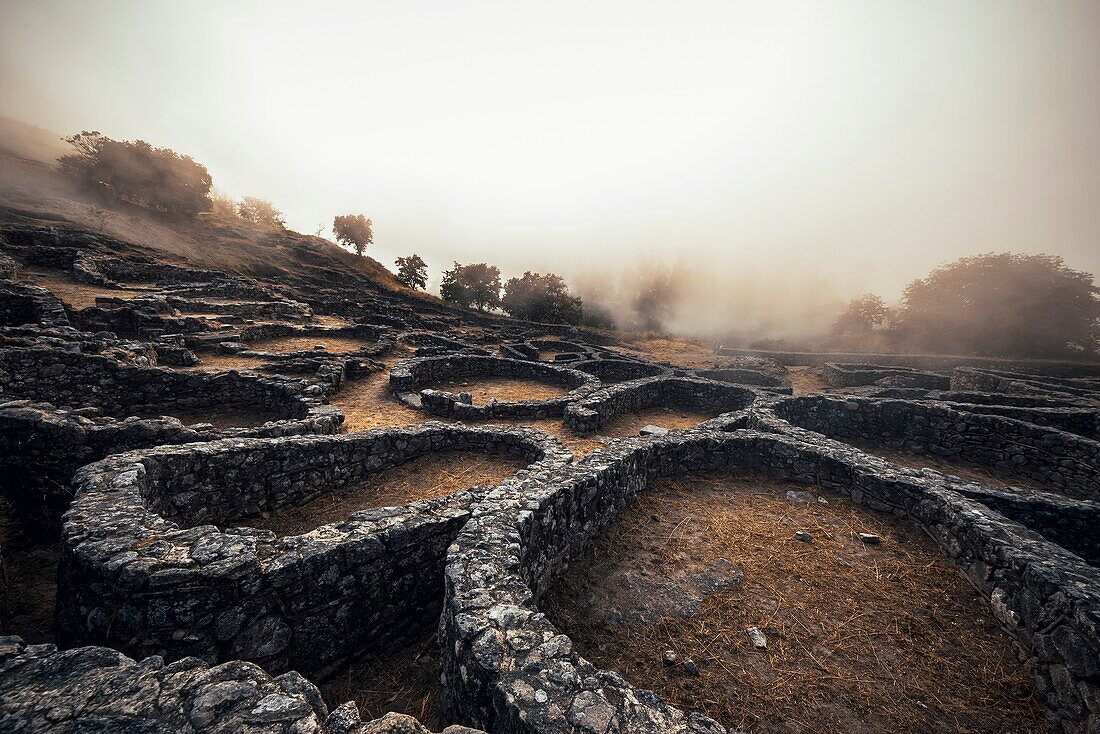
x=138 y=173
x=476 y=285
x=261 y=212
x=545 y=298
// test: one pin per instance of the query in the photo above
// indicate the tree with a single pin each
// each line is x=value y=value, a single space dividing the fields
x=863 y=315
x=353 y=230
x=412 y=271
x=137 y=173
x=476 y=285
x=262 y=212
x=1001 y=304
x=223 y=206
x=545 y=298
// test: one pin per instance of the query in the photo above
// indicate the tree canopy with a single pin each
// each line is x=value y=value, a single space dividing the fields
x=353 y=230
x=138 y=173
x=863 y=315
x=412 y=271
x=1002 y=304
x=477 y=285
x=546 y=298
x=261 y=212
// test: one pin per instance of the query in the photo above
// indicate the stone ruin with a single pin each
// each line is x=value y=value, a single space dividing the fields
x=174 y=614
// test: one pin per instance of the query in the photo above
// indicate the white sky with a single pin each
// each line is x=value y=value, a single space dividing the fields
x=856 y=143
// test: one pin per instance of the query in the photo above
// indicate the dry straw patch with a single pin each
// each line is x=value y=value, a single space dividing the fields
x=966 y=470
x=220 y=416
x=806 y=380
x=71 y=291
x=425 y=477
x=406 y=682
x=881 y=638
x=503 y=389
x=333 y=344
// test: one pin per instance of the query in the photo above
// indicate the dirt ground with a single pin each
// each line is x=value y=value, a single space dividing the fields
x=406 y=682
x=221 y=416
x=677 y=351
x=425 y=477
x=333 y=344
x=504 y=389
x=214 y=362
x=860 y=638
x=71 y=291
x=964 y=469
x=806 y=380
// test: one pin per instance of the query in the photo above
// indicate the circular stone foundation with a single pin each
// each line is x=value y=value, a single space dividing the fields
x=152 y=563
x=409 y=380
x=508 y=669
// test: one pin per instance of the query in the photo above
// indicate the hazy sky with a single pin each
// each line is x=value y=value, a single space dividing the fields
x=857 y=144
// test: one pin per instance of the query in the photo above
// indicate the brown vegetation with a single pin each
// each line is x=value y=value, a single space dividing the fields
x=966 y=470
x=332 y=344
x=868 y=638
x=71 y=291
x=503 y=389
x=423 y=478
x=219 y=416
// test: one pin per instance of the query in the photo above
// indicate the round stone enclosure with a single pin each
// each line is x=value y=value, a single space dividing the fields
x=602 y=406
x=152 y=565
x=509 y=670
x=410 y=375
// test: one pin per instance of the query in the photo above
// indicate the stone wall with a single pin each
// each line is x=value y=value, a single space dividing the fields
x=96 y=689
x=145 y=567
x=21 y=303
x=741 y=376
x=854 y=375
x=408 y=376
x=590 y=413
x=507 y=669
x=619 y=370
x=1060 y=461
x=1001 y=381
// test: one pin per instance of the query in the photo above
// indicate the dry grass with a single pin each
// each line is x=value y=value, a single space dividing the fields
x=71 y=291
x=367 y=403
x=425 y=477
x=333 y=344
x=628 y=424
x=678 y=351
x=331 y=322
x=806 y=380
x=966 y=470
x=861 y=638
x=221 y=416
x=406 y=682
x=216 y=362
x=504 y=389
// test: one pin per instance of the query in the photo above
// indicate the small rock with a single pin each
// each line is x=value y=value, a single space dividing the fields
x=690 y=667
x=803 y=536
x=318 y=346
x=652 y=430
x=798 y=496
x=759 y=641
x=669 y=658
x=870 y=538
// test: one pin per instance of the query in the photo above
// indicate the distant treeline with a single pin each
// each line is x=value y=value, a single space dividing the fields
x=996 y=304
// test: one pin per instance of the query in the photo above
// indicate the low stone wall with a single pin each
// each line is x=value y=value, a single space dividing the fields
x=21 y=303
x=508 y=669
x=408 y=376
x=968 y=378
x=588 y=415
x=77 y=380
x=855 y=375
x=619 y=370
x=42 y=446
x=740 y=376
x=96 y=689
x=934 y=362
x=145 y=567
x=1061 y=461
x=282 y=309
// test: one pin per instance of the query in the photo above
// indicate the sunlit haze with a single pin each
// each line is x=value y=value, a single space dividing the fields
x=791 y=155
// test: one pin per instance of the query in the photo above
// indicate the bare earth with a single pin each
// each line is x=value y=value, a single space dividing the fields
x=860 y=638
x=71 y=291
x=333 y=344
x=221 y=417
x=503 y=389
x=964 y=469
